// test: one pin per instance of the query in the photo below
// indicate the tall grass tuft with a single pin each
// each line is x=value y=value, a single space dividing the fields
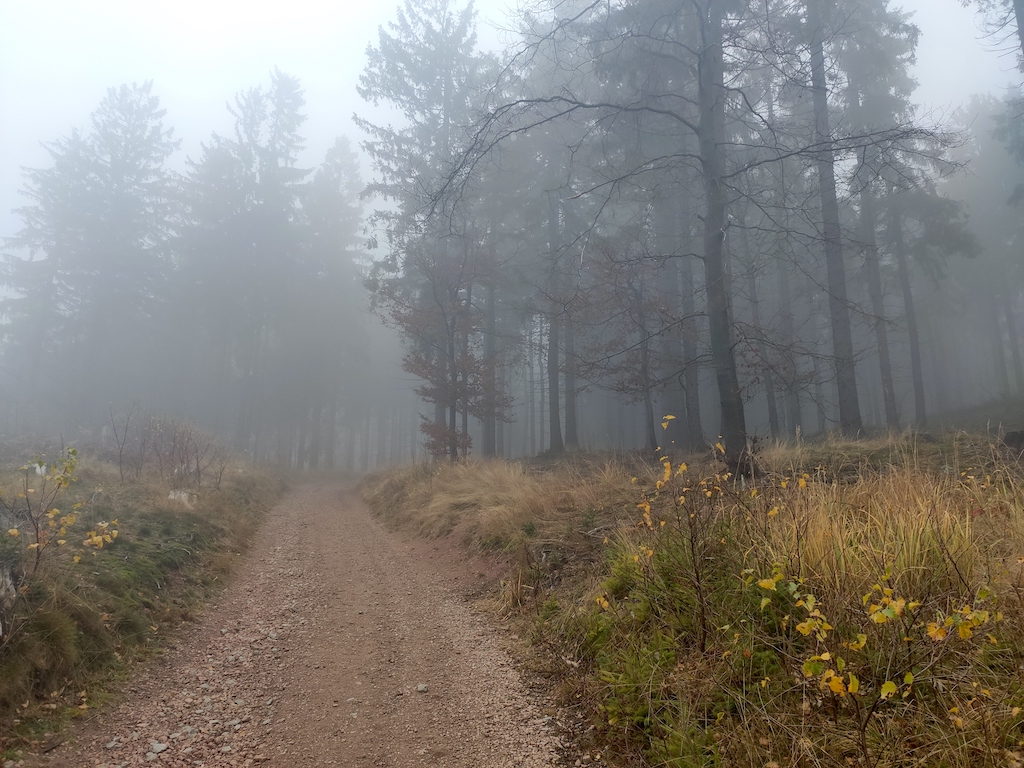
x=858 y=603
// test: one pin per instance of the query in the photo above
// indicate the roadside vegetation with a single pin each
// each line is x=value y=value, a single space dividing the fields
x=98 y=566
x=853 y=603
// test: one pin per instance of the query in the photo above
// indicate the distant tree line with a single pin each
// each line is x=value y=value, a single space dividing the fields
x=229 y=294
x=729 y=212
x=726 y=211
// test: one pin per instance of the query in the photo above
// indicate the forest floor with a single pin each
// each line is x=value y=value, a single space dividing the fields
x=336 y=643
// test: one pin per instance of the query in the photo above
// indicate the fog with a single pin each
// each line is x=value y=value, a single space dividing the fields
x=512 y=248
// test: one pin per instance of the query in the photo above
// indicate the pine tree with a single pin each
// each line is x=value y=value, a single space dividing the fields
x=95 y=233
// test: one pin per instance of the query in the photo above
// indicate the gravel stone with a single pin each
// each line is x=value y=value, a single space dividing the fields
x=327 y=607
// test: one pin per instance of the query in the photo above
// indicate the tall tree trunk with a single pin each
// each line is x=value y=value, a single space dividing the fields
x=530 y=431
x=691 y=366
x=668 y=221
x=315 y=433
x=794 y=409
x=331 y=428
x=499 y=424
x=998 y=349
x=364 y=443
x=554 y=419
x=711 y=106
x=453 y=394
x=572 y=439
x=542 y=413
x=414 y=433
x=464 y=385
x=842 y=336
x=381 y=458
x=755 y=318
x=903 y=272
x=1018 y=14
x=874 y=279
x=350 y=443
x=303 y=419
x=1014 y=339
x=490 y=374
x=769 y=377
x=650 y=434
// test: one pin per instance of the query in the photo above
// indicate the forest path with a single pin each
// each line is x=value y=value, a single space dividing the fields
x=336 y=643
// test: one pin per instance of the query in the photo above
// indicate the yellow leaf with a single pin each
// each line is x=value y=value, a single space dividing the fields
x=13 y=532
x=854 y=683
x=773 y=512
x=836 y=685
x=61 y=542
x=888 y=689
x=964 y=630
x=720 y=447
x=802 y=483
x=34 y=545
x=77 y=558
x=909 y=678
x=767 y=584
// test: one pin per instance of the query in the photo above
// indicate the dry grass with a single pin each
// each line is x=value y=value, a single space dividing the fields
x=496 y=504
x=663 y=629
x=85 y=612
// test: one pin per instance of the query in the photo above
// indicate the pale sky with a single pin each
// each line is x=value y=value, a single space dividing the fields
x=57 y=57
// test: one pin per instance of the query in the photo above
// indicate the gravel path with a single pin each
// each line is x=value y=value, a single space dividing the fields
x=337 y=643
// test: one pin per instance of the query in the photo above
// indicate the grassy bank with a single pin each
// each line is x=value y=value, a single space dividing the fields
x=97 y=571
x=855 y=604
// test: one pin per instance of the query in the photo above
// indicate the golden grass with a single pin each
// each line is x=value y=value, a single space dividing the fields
x=495 y=504
x=937 y=523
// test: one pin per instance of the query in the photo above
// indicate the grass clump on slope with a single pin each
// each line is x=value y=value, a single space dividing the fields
x=94 y=571
x=865 y=609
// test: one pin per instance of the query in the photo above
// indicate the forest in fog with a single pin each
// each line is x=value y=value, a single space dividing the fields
x=729 y=212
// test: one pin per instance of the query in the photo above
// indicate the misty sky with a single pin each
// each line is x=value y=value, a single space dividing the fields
x=57 y=57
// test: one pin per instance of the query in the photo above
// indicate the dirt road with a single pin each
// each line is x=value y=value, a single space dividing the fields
x=337 y=643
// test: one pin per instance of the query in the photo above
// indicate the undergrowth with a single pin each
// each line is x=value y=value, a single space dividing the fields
x=95 y=571
x=856 y=603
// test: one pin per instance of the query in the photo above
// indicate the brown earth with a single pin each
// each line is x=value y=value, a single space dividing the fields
x=337 y=643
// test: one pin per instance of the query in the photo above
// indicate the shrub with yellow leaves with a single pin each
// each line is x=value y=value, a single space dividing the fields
x=36 y=525
x=30 y=514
